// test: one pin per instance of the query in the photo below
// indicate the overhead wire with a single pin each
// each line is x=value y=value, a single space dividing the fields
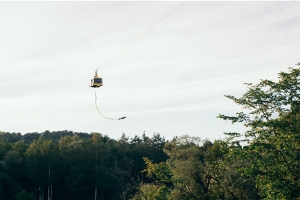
x=152 y=27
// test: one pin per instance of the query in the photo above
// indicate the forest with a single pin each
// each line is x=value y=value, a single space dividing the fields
x=261 y=163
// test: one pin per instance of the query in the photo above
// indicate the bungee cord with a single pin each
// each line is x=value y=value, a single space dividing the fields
x=120 y=118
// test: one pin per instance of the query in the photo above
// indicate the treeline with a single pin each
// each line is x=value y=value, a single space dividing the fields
x=262 y=163
x=67 y=165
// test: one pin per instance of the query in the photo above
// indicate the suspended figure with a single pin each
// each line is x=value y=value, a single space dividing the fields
x=95 y=83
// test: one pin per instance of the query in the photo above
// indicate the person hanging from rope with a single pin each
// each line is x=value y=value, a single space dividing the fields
x=97 y=82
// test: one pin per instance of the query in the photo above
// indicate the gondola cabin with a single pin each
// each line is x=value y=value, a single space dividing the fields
x=96 y=81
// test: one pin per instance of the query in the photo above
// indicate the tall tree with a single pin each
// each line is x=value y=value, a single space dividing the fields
x=105 y=173
x=43 y=161
x=272 y=114
x=76 y=166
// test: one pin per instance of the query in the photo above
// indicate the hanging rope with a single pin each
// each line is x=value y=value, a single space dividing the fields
x=101 y=113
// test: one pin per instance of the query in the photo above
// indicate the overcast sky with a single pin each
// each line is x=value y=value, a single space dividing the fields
x=166 y=66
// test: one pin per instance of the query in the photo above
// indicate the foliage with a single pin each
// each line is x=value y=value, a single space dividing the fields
x=160 y=174
x=195 y=169
x=273 y=140
x=69 y=165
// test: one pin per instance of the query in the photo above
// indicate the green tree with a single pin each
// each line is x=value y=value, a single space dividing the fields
x=130 y=153
x=161 y=177
x=9 y=174
x=43 y=167
x=190 y=172
x=77 y=168
x=20 y=147
x=104 y=165
x=235 y=184
x=4 y=147
x=272 y=141
x=10 y=137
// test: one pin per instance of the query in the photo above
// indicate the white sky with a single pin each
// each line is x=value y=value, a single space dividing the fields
x=166 y=75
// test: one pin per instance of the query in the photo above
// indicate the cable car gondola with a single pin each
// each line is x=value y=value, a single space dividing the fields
x=96 y=81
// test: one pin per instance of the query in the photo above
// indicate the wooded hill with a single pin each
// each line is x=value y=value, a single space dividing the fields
x=262 y=163
x=67 y=165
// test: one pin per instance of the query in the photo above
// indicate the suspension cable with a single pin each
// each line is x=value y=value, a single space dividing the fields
x=152 y=27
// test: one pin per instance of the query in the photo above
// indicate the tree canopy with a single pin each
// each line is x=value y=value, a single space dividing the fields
x=272 y=143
